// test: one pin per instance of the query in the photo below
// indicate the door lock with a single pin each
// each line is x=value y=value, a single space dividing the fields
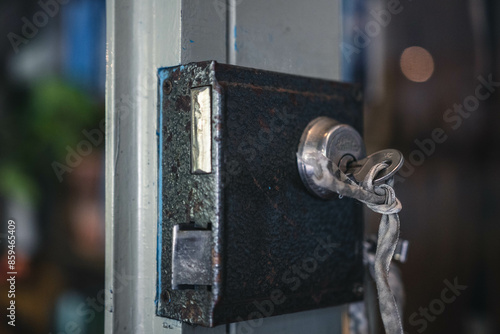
x=236 y=225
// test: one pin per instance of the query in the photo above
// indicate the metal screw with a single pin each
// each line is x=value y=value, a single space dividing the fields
x=167 y=87
x=165 y=296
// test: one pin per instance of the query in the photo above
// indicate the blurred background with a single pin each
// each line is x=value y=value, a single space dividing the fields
x=420 y=63
x=52 y=76
x=421 y=71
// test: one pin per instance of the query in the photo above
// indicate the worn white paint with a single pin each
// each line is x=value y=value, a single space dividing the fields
x=289 y=36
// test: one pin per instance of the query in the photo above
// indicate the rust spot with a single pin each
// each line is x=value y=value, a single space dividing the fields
x=165 y=296
x=198 y=206
x=192 y=312
x=317 y=298
x=263 y=124
x=272 y=111
x=190 y=195
x=174 y=169
x=217 y=88
x=175 y=75
x=218 y=275
x=307 y=94
x=257 y=90
x=166 y=104
x=256 y=182
x=216 y=259
x=291 y=222
x=169 y=138
x=271 y=276
x=183 y=103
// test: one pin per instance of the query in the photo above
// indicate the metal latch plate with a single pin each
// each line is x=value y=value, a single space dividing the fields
x=191 y=258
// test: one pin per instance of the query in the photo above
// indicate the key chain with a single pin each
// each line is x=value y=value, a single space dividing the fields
x=377 y=193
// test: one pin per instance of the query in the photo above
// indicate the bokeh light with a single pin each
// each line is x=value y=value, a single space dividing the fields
x=417 y=64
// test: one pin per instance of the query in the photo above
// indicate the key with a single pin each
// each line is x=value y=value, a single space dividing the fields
x=358 y=169
x=343 y=146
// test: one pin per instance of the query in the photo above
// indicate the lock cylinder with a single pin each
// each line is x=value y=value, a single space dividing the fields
x=340 y=143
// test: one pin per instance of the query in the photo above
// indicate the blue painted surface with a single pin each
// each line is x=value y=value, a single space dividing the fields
x=191 y=41
x=235 y=36
x=163 y=75
x=83 y=43
x=353 y=11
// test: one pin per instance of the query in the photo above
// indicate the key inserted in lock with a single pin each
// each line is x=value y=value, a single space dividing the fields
x=345 y=148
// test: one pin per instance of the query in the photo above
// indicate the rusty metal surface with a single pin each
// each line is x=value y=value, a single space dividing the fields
x=276 y=248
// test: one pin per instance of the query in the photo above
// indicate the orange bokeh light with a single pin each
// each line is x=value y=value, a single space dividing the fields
x=417 y=64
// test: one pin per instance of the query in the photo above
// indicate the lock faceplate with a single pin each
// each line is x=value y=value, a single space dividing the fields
x=269 y=246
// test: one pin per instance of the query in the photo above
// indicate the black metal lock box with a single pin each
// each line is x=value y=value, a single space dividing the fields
x=240 y=236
